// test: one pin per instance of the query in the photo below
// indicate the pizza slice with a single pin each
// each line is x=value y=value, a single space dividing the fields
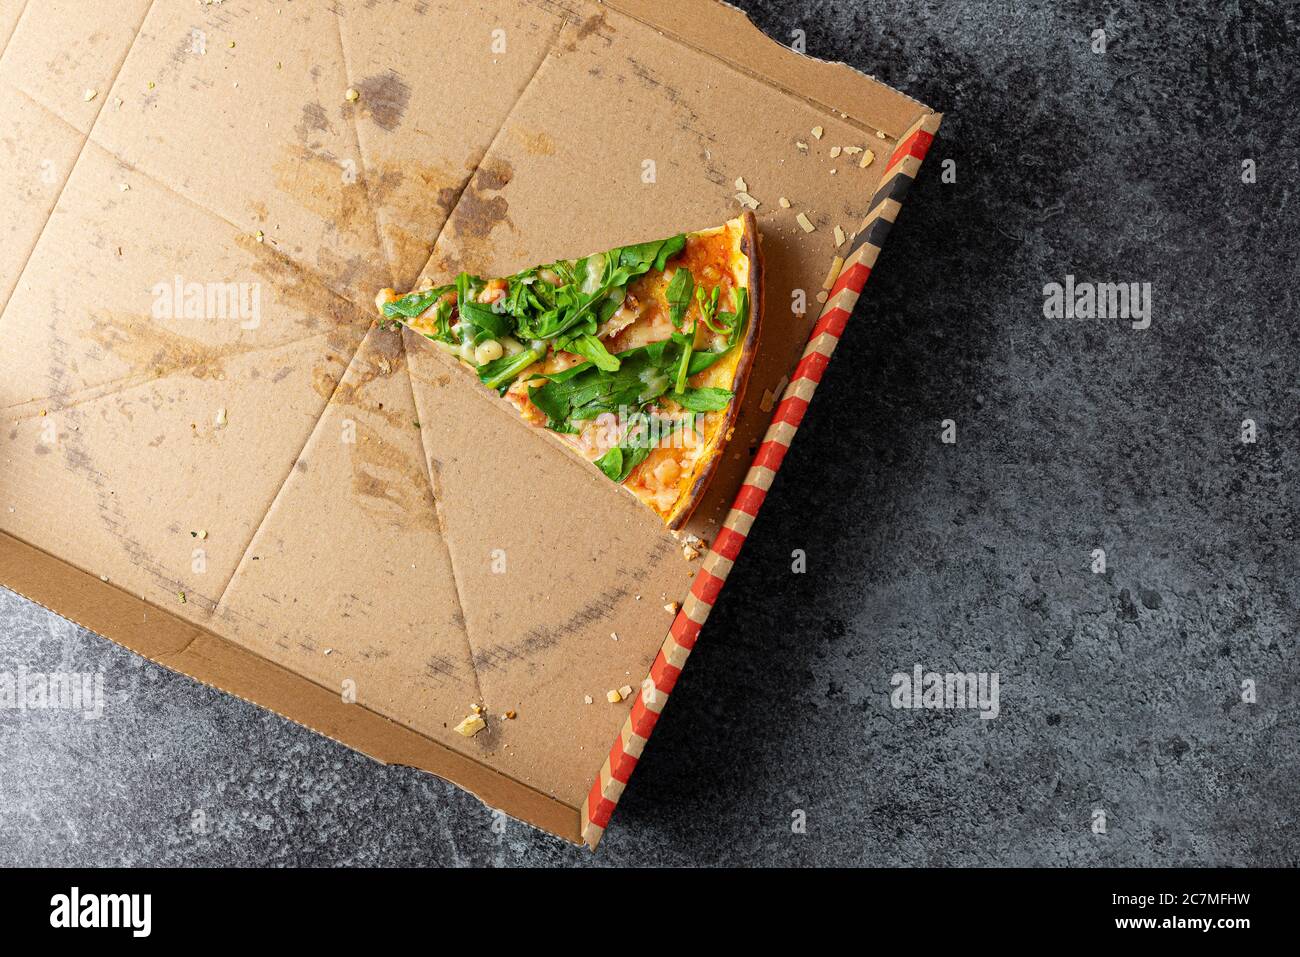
x=635 y=358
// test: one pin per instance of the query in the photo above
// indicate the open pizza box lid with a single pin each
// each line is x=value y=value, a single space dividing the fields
x=211 y=454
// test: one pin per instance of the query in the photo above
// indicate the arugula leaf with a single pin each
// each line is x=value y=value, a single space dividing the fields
x=413 y=304
x=703 y=400
x=679 y=295
x=594 y=351
x=739 y=319
x=643 y=433
x=702 y=360
x=489 y=323
x=671 y=247
x=652 y=255
x=709 y=307
x=586 y=391
x=442 y=323
x=501 y=373
x=611 y=463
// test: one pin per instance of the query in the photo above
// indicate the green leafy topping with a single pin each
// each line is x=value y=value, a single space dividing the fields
x=594 y=351
x=500 y=373
x=703 y=400
x=413 y=304
x=679 y=295
x=561 y=308
x=643 y=433
x=736 y=321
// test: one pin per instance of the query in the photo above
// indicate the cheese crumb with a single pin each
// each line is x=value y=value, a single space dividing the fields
x=740 y=184
x=834 y=272
x=261 y=236
x=614 y=635
x=471 y=725
x=672 y=607
x=801 y=145
x=817 y=132
x=839 y=236
x=625 y=691
x=90 y=95
x=220 y=419
x=867 y=157
x=835 y=151
x=805 y=223
x=352 y=95
x=613 y=697
x=881 y=134
x=852 y=150
x=587 y=699
x=785 y=203
x=746 y=200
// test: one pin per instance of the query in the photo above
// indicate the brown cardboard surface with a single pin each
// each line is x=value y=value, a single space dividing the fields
x=329 y=518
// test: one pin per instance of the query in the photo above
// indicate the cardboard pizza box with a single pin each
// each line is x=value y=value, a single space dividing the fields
x=211 y=454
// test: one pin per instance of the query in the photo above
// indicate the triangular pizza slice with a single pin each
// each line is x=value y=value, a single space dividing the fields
x=635 y=358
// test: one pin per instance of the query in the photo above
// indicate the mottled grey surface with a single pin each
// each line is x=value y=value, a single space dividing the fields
x=1119 y=691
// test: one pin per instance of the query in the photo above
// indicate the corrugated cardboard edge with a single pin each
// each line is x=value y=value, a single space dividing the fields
x=899 y=174
x=192 y=650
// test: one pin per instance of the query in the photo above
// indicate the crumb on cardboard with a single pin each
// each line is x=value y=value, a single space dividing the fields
x=746 y=200
x=839 y=236
x=835 y=151
x=740 y=184
x=785 y=203
x=587 y=699
x=691 y=548
x=805 y=223
x=673 y=607
x=470 y=725
x=834 y=272
x=625 y=691
x=352 y=95
x=817 y=132
x=801 y=146
x=613 y=696
x=867 y=157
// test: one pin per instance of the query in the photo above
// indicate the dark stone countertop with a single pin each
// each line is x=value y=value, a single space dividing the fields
x=1119 y=691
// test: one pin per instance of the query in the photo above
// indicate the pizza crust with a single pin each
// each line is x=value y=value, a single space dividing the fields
x=717 y=440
